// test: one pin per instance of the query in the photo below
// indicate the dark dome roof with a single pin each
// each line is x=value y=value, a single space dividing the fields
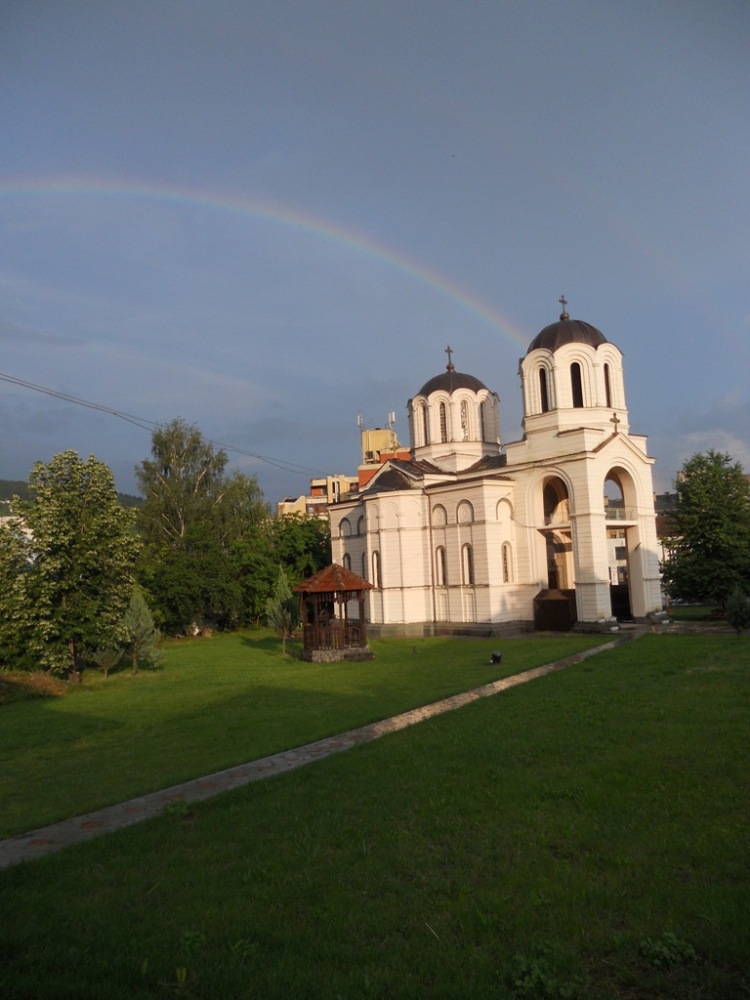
x=450 y=380
x=567 y=331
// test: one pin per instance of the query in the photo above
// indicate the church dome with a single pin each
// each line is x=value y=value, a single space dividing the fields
x=567 y=331
x=450 y=381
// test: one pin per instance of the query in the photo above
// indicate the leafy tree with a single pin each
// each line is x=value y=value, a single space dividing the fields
x=302 y=545
x=255 y=570
x=282 y=610
x=16 y=625
x=142 y=636
x=184 y=483
x=738 y=610
x=193 y=514
x=709 y=543
x=180 y=483
x=69 y=596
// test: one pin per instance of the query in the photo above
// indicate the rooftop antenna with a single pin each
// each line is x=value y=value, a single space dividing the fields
x=391 y=418
x=360 y=421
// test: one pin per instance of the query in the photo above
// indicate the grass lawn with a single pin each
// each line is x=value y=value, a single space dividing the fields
x=585 y=835
x=219 y=702
x=695 y=613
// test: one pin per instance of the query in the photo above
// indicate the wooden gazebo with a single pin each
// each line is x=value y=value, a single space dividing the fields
x=325 y=601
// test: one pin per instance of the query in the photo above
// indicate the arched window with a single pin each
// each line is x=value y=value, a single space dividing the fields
x=439 y=516
x=544 y=395
x=426 y=423
x=465 y=513
x=360 y=525
x=576 y=384
x=464 y=420
x=364 y=565
x=347 y=561
x=345 y=528
x=376 y=581
x=441 y=567
x=607 y=388
x=467 y=564
x=507 y=563
x=443 y=422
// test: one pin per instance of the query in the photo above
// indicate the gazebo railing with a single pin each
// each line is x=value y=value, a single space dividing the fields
x=335 y=634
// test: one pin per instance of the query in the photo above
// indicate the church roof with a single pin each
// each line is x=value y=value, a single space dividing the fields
x=451 y=380
x=567 y=331
x=488 y=463
x=399 y=474
x=334 y=579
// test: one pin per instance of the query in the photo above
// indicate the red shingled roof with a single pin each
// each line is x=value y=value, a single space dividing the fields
x=331 y=580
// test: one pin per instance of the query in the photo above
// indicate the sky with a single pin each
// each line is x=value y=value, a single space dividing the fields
x=271 y=218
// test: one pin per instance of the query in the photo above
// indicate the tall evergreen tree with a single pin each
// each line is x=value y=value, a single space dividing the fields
x=282 y=610
x=142 y=638
x=709 y=534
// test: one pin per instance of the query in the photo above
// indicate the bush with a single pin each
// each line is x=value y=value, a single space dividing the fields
x=738 y=610
x=17 y=685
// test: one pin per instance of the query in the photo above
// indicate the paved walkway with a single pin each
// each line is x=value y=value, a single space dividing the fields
x=37 y=843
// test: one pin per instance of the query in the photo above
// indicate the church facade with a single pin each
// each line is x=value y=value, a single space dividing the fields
x=470 y=533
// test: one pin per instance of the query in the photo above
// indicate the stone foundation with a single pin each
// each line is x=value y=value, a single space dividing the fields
x=351 y=653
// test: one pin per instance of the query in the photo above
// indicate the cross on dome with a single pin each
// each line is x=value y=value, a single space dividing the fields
x=450 y=366
x=563 y=302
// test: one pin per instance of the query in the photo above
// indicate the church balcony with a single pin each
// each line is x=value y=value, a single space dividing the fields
x=620 y=514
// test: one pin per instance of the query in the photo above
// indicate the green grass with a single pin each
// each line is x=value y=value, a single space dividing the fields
x=220 y=702
x=584 y=836
x=694 y=612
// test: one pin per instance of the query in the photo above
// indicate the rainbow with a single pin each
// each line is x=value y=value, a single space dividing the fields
x=276 y=214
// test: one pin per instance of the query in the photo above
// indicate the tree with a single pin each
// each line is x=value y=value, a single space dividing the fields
x=16 y=625
x=738 y=610
x=142 y=636
x=69 y=596
x=282 y=610
x=184 y=483
x=709 y=543
x=180 y=483
x=301 y=544
x=107 y=658
x=193 y=514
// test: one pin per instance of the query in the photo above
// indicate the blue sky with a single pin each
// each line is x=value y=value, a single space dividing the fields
x=268 y=218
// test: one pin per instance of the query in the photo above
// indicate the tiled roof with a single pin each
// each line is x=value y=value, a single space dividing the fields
x=332 y=580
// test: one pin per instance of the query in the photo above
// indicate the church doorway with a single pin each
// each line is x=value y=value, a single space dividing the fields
x=619 y=520
x=557 y=534
x=555 y=604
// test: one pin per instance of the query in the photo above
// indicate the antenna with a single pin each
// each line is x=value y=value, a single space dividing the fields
x=360 y=421
x=391 y=418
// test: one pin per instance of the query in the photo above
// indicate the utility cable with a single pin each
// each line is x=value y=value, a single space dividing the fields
x=145 y=424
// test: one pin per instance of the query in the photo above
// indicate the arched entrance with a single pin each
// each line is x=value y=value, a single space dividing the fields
x=620 y=520
x=557 y=534
x=555 y=605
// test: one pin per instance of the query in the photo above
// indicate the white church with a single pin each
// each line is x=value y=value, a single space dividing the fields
x=473 y=535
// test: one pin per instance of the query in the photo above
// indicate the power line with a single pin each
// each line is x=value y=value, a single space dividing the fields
x=144 y=424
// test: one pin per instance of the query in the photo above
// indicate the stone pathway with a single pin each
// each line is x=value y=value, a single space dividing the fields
x=37 y=843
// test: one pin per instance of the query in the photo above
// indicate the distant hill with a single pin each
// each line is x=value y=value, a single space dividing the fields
x=11 y=487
